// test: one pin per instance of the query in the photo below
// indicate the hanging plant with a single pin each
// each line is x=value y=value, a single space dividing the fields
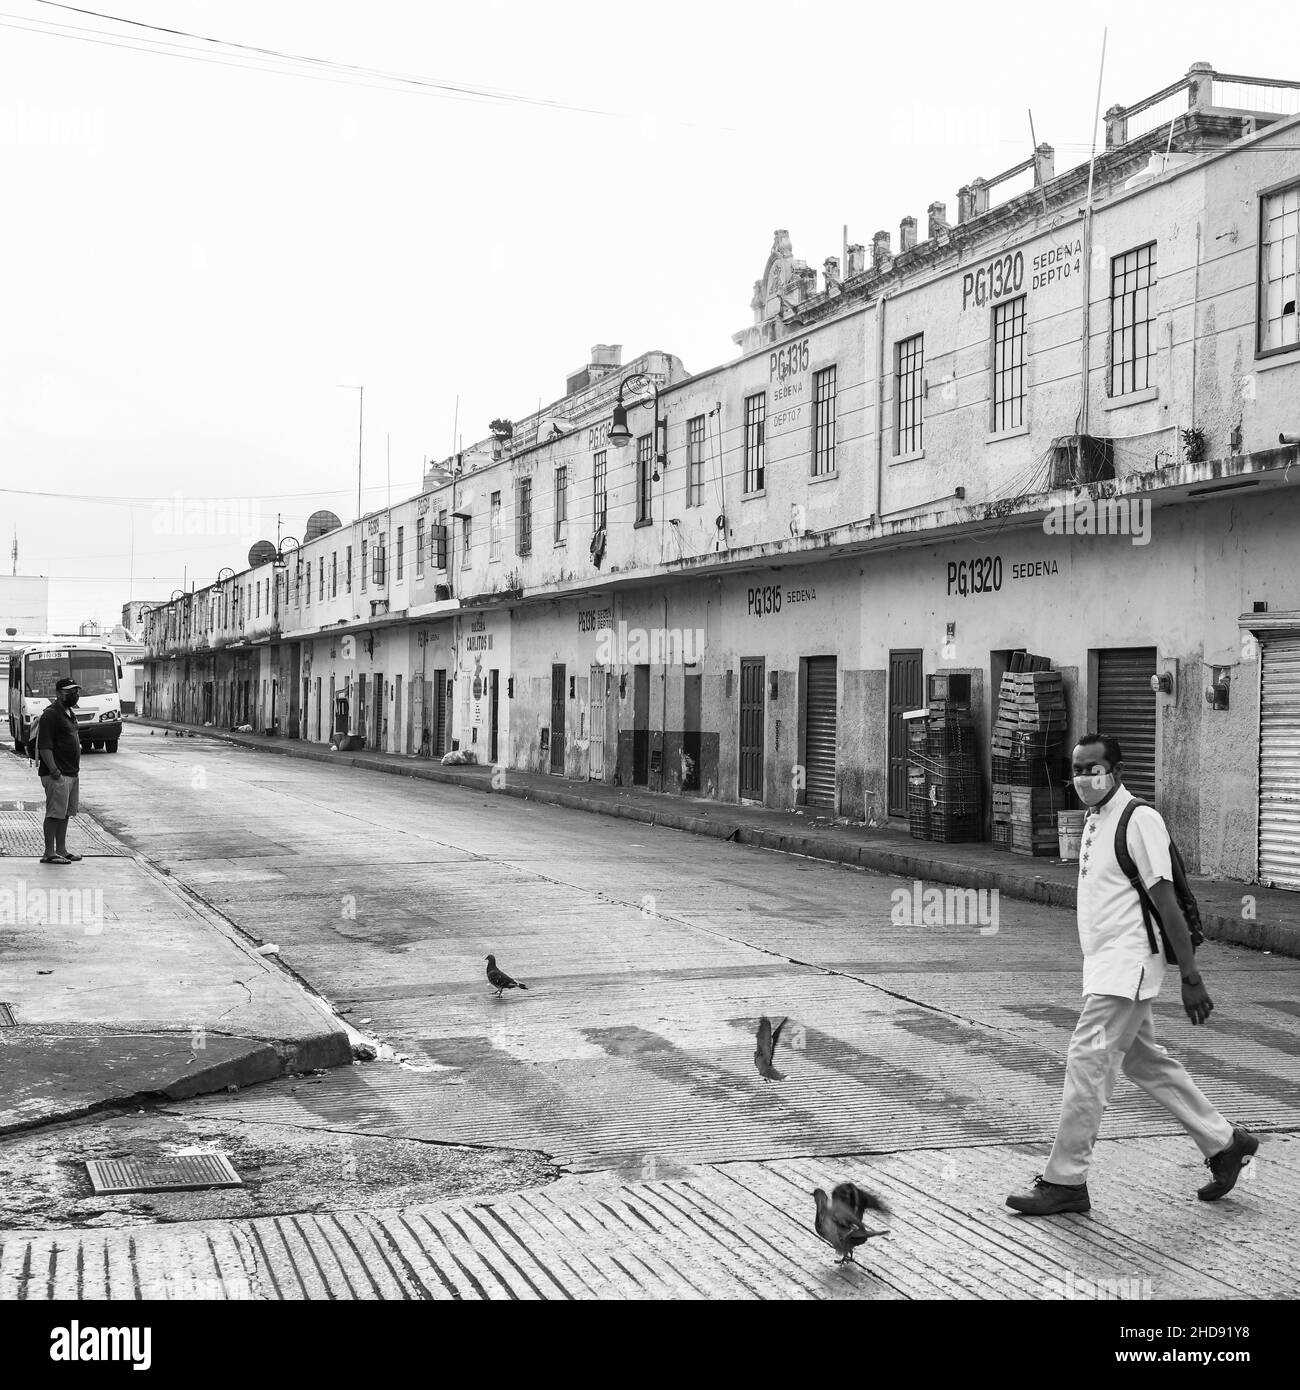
x=1193 y=443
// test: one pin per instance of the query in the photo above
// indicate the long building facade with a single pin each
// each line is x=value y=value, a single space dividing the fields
x=1064 y=423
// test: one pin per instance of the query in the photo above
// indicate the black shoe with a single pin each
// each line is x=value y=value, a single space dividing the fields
x=1050 y=1198
x=1227 y=1164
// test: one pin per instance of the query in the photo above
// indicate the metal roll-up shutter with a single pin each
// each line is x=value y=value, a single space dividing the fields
x=819 y=731
x=1126 y=709
x=1279 y=764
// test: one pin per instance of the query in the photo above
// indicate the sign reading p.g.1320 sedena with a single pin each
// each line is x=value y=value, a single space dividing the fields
x=1013 y=273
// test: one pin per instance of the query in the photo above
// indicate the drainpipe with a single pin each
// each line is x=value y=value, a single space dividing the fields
x=663 y=723
x=1196 y=301
x=880 y=404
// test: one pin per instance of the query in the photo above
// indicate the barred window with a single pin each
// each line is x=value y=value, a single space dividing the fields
x=419 y=546
x=494 y=527
x=823 y=422
x=1279 y=240
x=1131 y=320
x=401 y=546
x=381 y=561
x=321 y=595
x=1009 y=364
x=598 y=497
x=644 y=464
x=365 y=572
x=909 y=423
x=755 y=416
x=695 y=461
x=334 y=575
x=561 y=499
x=524 y=517
x=465 y=541
x=438 y=542
x=348 y=576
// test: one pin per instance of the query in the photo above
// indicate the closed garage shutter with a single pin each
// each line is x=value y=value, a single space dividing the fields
x=1126 y=709
x=1279 y=765
x=819 y=753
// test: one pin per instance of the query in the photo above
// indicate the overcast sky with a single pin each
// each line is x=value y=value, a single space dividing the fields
x=196 y=255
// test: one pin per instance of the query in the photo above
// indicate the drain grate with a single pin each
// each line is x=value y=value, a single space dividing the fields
x=7 y=1016
x=185 y=1174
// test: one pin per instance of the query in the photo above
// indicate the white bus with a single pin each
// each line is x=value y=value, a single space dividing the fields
x=36 y=666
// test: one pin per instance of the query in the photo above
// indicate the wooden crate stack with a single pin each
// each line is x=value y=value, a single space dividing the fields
x=1028 y=741
x=956 y=801
x=1033 y=819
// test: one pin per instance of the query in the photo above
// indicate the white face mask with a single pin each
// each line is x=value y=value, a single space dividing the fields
x=1094 y=787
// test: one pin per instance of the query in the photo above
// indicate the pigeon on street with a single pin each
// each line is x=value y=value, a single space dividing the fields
x=838 y=1227
x=765 y=1049
x=848 y=1198
x=498 y=979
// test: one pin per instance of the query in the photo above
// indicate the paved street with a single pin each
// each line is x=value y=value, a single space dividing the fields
x=934 y=1052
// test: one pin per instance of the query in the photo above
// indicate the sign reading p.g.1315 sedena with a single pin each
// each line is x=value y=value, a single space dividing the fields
x=788 y=387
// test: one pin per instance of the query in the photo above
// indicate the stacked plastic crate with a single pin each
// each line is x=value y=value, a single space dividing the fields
x=956 y=803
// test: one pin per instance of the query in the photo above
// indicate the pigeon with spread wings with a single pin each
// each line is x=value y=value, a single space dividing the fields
x=765 y=1048
x=838 y=1227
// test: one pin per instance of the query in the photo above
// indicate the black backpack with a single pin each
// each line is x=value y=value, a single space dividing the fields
x=1182 y=889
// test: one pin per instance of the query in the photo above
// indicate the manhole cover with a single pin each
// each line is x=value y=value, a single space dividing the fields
x=6 y=1016
x=185 y=1174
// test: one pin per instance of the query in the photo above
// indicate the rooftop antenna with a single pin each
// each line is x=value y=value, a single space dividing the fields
x=15 y=550
x=388 y=454
x=455 y=425
x=1087 y=244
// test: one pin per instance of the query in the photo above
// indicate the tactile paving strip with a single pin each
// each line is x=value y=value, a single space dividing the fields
x=21 y=835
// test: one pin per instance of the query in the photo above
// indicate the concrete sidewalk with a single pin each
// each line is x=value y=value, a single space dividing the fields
x=122 y=986
x=719 y=1231
x=1246 y=914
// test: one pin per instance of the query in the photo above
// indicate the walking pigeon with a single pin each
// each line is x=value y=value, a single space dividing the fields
x=849 y=1197
x=498 y=979
x=838 y=1227
x=765 y=1050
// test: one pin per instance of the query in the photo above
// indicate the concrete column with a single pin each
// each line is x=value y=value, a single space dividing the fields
x=906 y=234
x=1044 y=165
x=1116 y=126
x=1200 y=92
x=937 y=219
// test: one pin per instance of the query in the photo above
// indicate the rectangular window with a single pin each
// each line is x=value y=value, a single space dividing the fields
x=419 y=546
x=561 y=499
x=308 y=589
x=823 y=422
x=644 y=463
x=494 y=527
x=598 y=491
x=348 y=577
x=464 y=541
x=438 y=542
x=755 y=415
x=334 y=575
x=365 y=573
x=258 y=600
x=401 y=547
x=381 y=561
x=1132 y=319
x=695 y=461
x=322 y=579
x=1009 y=365
x=524 y=517
x=297 y=591
x=1279 y=241
x=909 y=411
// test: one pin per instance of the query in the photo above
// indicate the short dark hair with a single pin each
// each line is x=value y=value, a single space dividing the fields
x=1109 y=745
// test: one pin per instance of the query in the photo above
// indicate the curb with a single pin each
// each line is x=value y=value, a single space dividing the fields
x=1258 y=935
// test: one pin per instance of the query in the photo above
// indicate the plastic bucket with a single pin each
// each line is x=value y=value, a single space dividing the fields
x=1069 y=833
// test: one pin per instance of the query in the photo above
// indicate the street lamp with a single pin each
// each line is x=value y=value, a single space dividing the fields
x=619 y=434
x=280 y=562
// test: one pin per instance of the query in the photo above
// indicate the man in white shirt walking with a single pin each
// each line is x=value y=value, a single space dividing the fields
x=1121 y=976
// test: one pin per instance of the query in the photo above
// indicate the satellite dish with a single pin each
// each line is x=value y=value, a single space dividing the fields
x=260 y=553
x=318 y=523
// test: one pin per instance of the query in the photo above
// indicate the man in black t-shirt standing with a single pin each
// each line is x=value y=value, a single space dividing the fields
x=58 y=745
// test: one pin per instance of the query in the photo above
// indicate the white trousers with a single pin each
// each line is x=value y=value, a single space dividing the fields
x=1115 y=1034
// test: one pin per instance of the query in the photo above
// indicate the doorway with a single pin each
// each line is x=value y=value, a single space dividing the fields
x=361 y=705
x=494 y=713
x=596 y=721
x=821 y=705
x=906 y=692
x=1126 y=709
x=751 y=728
x=399 y=742
x=641 y=726
x=381 y=714
x=692 y=738
x=439 y=713
x=557 y=718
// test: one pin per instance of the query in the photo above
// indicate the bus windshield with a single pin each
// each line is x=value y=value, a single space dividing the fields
x=94 y=672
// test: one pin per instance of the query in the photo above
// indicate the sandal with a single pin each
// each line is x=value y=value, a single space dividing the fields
x=54 y=859
x=70 y=857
